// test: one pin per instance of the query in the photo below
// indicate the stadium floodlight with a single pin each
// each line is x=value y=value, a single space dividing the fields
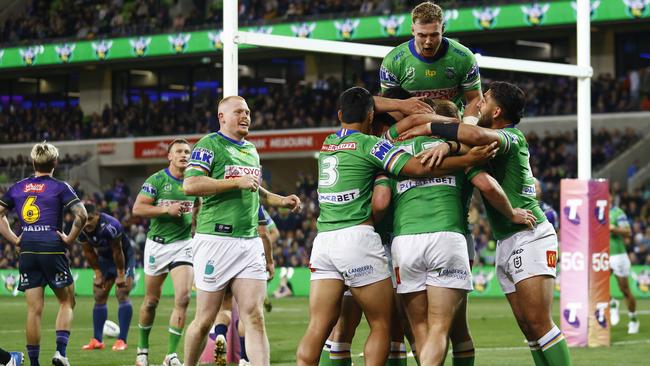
x=582 y=71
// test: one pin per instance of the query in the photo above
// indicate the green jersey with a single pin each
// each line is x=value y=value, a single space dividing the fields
x=347 y=165
x=427 y=205
x=165 y=190
x=448 y=75
x=511 y=169
x=232 y=213
x=618 y=219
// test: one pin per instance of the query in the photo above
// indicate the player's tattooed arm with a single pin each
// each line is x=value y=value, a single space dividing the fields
x=493 y=193
x=80 y=217
x=206 y=186
x=118 y=258
x=5 y=228
x=271 y=199
x=408 y=106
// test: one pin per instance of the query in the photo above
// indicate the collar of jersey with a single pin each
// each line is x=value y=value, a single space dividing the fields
x=171 y=176
x=240 y=143
x=345 y=132
x=444 y=46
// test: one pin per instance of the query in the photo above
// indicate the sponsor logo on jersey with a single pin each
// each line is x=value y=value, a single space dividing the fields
x=186 y=206
x=430 y=73
x=535 y=14
x=149 y=188
x=380 y=149
x=517 y=262
x=338 y=198
x=202 y=156
x=359 y=271
x=339 y=147
x=405 y=185
x=410 y=73
x=235 y=171
x=447 y=94
x=387 y=77
x=37 y=228
x=472 y=73
x=529 y=191
x=398 y=279
x=34 y=188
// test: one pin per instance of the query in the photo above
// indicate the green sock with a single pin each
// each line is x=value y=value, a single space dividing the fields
x=397 y=356
x=538 y=355
x=325 y=355
x=396 y=362
x=463 y=354
x=143 y=339
x=555 y=348
x=632 y=316
x=174 y=337
x=340 y=354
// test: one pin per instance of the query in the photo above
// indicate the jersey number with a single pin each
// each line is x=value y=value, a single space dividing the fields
x=31 y=213
x=328 y=173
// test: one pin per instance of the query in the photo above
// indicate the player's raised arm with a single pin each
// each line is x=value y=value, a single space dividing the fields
x=478 y=155
x=415 y=120
x=408 y=106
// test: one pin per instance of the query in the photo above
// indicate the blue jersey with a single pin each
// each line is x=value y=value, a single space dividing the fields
x=39 y=203
x=107 y=230
x=551 y=215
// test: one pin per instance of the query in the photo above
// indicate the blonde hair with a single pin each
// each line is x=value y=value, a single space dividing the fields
x=44 y=156
x=227 y=99
x=426 y=13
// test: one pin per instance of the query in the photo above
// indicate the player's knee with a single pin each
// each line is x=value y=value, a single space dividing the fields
x=35 y=309
x=182 y=301
x=254 y=319
x=151 y=303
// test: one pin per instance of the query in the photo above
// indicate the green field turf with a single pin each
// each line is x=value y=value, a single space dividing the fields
x=496 y=336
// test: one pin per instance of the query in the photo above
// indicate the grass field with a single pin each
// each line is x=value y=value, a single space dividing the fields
x=496 y=336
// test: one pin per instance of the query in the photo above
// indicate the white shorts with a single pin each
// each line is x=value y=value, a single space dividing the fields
x=431 y=259
x=162 y=258
x=353 y=255
x=526 y=254
x=389 y=256
x=620 y=265
x=219 y=259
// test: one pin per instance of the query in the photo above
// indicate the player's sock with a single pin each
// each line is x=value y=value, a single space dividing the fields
x=538 y=355
x=5 y=357
x=219 y=329
x=555 y=348
x=124 y=315
x=100 y=314
x=143 y=338
x=397 y=355
x=325 y=354
x=242 y=348
x=340 y=354
x=62 y=337
x=174 y=337
x=33 y=351
x=463 y=354
x=632 y=316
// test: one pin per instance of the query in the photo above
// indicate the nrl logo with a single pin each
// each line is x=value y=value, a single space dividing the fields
x=179 y=43
x=593 y=6
x=102 y=48
x=303 y=30
x=11 y=283
x=29 y=54
x=486 y=18
x=636 y=8
x=215 y=40
x=65 y=52
x=391 y=25
x=534 y=15
x=346 y=28
x=140 y=45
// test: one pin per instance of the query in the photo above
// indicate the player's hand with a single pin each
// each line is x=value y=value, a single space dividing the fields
x=414 y=105
x=434 y=156
x=18 y=239
x=174 y=210
x=249 y=182
x=120 y=281
x=98 y=280
x=67 y=240
x=482 y=154
x=270 y=268
x=292 y=202
x=524 y=217
x=421 y=130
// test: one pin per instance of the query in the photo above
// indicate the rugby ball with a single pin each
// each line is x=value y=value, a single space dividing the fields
x=111 y=329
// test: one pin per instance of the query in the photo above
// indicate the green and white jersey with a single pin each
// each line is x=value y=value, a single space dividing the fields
x=448 y=75
x=427 y=205
x=511 y=169
x=165 y=190
x=347 y=165
x=618 y=219
x=232 y=213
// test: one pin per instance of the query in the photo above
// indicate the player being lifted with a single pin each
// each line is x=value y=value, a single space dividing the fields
x=225 y=169
x=347 y=251
x=39 y=201
x=526 y=258
x=167 y=249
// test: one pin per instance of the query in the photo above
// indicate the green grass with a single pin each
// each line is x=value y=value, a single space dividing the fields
x=496 y=336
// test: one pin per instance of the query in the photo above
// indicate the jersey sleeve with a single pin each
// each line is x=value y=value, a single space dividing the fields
x=474 y=171
x=386 y=156
x=382 y=180
x=113 y=230
x=391 y=134
x=472 y=77
x=622 y=221
x=68 y=196
x=507 y=141
x=149 y=188
x=202 y=158
x=7 y=200
x=388 y=73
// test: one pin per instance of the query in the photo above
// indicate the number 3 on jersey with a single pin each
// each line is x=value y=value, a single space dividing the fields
x=328 y=173
x=30 y=212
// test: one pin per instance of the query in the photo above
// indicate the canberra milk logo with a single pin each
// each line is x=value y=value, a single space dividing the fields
x=346 y=28
x=30 y=54
x=636 y=8
x=391 y=26
x=601 y=211
x=102 y=48
x=140 y=45
x=65 y=52
x=486 y=18
x=535 y=14
x=179 y=42
x=303 y=30
x=593 y=6
x=571 y=314
x=571 y=210
x=215 y=40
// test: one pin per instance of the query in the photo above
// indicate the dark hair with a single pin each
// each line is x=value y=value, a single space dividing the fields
x=396 y=92
x=45 y=167
x=174 y=142
x=355 y=104
x=91 y=209
x=510 y=98
x=383 y=118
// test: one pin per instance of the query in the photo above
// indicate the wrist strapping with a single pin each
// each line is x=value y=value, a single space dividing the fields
x=447 y=131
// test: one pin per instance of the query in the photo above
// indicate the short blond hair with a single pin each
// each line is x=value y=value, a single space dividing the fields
x=426 y=13
x=227 y=99
x=44 y=156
